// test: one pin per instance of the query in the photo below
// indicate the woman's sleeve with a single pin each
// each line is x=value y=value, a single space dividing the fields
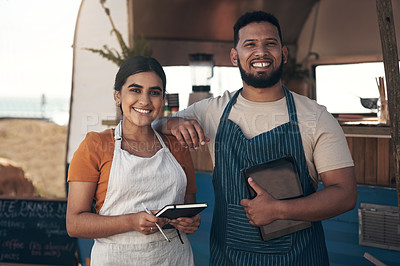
x=85 y=164
x=182 y=155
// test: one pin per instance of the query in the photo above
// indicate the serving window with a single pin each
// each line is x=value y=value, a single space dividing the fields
x=348 y=88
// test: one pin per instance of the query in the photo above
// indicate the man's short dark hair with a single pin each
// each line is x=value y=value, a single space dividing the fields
x=250 y=17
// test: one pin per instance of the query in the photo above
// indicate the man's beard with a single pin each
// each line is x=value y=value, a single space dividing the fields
x=261 y=81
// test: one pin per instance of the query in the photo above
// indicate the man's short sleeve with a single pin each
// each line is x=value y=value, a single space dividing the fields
x=331 y=151
x=194 y=111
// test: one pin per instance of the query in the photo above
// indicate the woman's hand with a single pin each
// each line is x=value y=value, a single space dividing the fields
x=145 y=223
x=82 y=223
x=186 y=224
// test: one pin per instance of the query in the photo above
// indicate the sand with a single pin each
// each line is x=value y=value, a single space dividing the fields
x=39 y=147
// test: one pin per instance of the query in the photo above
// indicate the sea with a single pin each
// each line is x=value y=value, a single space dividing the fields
x=55 y=109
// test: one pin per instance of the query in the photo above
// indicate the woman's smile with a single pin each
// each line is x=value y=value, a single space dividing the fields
x=142 y=111
x=141 y=99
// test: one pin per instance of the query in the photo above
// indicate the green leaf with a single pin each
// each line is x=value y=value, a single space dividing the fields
x=140 y=45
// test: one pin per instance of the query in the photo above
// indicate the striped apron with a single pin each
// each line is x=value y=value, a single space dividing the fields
x=233 y=240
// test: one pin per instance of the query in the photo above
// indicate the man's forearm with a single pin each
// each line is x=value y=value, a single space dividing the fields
x=187 y=131
x=338 y=196
x=318 y=206
x=161 y=125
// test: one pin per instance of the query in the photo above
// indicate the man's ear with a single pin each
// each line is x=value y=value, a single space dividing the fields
x=285 y=54
x=234 y=57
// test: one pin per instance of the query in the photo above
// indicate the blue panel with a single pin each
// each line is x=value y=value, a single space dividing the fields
x=200 y=239
x=341 y=232
x=84 y=249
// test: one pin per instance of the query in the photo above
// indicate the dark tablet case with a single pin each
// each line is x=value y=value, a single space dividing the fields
x=174 y=211
x=279 y=178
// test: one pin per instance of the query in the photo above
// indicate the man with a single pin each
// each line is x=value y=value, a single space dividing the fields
x=260 y=123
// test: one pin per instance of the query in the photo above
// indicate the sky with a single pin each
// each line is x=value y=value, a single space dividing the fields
x=35 y=47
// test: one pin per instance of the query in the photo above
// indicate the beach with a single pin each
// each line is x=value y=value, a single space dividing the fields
x=39 y=147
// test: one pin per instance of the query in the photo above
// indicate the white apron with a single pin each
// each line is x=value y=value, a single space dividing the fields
x=155 y=182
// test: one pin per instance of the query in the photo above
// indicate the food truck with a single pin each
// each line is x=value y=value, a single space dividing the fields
x=333 y=45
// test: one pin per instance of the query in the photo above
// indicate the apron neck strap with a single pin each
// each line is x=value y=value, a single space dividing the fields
x=228 y=108
x=118 y=134
x=159 y=138
x=290 y=105
x=289 y=102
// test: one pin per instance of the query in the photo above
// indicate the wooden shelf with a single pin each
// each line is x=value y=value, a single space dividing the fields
x=110 y=123
x=366 y=131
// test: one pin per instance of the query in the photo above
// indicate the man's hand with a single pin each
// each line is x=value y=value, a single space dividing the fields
x=338 y=196
x=262 y=209
x=187 y=131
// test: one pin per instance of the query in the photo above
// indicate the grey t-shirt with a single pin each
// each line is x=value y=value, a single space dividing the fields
x=324 y=143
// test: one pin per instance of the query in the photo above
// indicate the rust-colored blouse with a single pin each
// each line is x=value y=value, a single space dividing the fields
x=92 y=162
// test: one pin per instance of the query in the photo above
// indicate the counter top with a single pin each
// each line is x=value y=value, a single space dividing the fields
x=359 y=126
x=366 y=131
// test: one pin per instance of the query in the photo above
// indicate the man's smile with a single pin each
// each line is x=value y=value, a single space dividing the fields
x=260 y=63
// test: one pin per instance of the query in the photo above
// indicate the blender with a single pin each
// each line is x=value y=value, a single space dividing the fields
x=201 y=66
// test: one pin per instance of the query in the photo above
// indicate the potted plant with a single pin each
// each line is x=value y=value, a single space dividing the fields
x=297 y=79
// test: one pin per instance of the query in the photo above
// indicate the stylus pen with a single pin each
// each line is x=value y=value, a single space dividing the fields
x=159 y=227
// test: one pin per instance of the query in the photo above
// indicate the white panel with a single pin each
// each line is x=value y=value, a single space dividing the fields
x=93 y=76
x=344 y=28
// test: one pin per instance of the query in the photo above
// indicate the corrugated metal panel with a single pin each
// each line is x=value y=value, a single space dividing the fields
x=379 y=226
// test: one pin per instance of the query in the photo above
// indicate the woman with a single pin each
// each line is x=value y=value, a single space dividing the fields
x=128 y=168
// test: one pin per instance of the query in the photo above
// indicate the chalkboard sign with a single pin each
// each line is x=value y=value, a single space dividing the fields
x=33 y=231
